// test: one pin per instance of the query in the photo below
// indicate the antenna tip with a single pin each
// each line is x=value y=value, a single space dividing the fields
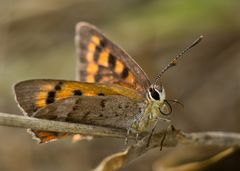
x=201 y=37
x=196 y=41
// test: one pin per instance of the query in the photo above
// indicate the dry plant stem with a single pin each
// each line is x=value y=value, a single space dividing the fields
x=173 y=137
x=47 y=125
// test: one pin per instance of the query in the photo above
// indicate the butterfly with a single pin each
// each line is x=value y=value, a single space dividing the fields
x=111 y=90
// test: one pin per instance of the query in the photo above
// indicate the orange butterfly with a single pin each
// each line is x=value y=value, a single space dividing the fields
x=111 y=90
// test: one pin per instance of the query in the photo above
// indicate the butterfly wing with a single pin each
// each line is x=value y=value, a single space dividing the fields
x=113 y=111
x=34 y=95
x=102 y=61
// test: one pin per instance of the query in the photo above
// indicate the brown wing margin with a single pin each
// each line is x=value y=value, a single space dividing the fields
x=101 y=60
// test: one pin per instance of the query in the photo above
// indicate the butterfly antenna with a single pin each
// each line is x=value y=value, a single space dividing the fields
x=174 y=61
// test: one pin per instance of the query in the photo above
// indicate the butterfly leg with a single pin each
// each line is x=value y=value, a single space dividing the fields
x=126 y=138
x=163 y=139
x=136 y=137
x=165 y=135
x=153 y=129
x=133 y=129
x=129 y=130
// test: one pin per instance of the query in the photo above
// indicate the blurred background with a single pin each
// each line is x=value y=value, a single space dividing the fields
x=37 y=41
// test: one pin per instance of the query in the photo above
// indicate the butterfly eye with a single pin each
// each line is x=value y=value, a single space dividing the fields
x=166 y=109
x=154 y=94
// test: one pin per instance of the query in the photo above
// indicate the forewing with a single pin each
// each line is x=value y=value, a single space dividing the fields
x=32 y=95
x=102 y=61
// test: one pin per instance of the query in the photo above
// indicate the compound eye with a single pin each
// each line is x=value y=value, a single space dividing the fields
x=154 y=94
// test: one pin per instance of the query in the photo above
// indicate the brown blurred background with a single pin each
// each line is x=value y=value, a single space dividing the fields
x=36 y=41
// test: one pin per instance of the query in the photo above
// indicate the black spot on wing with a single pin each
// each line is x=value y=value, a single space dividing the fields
x=97 y=51
x=103 y=43
x=58 y=87
x=101 y=94
x=111 y=61
x=50 y=97
x=101 y=72
x=120 y=106
x=103 y=103
x=98 y=77
x=85 y=115
x=77 y=92
x=124 y=73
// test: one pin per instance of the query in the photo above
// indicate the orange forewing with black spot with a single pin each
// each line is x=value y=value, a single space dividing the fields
x=35 y=94
x=102 y=61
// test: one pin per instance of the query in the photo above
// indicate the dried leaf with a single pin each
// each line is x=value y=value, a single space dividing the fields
x=113 y=162
x=196 y=166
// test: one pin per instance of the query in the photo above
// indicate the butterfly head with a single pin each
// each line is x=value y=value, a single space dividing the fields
x=157 y=97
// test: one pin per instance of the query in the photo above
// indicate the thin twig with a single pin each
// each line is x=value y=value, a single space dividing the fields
x=174 y=137
x=56 y=126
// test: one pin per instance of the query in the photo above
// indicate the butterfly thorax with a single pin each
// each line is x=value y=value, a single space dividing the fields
x=152 y=111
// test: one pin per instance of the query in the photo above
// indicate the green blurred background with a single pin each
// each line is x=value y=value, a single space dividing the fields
x=36 y=41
